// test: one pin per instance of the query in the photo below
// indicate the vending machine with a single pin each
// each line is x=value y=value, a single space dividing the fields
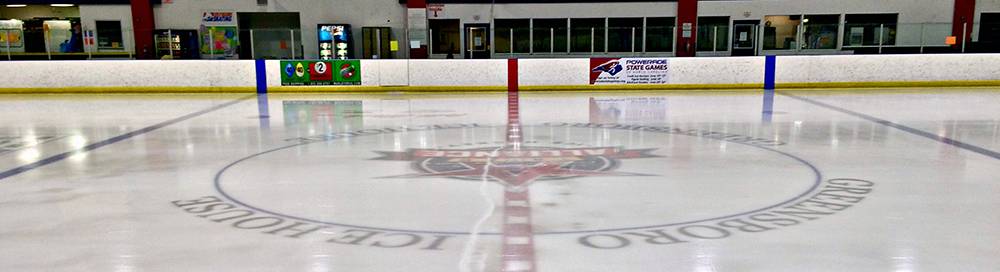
x=176 y=43
x=335 y=41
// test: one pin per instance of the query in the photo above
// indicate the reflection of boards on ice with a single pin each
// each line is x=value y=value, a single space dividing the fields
x=395 y=107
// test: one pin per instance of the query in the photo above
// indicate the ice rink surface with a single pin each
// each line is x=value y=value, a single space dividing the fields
x=863 y=180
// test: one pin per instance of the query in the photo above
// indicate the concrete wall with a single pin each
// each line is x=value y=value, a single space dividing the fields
x=32 y=11
x=186 y=14
x=90 y=14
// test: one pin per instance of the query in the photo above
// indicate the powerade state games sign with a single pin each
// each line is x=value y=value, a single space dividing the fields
x=629 y=70
x=315 y=72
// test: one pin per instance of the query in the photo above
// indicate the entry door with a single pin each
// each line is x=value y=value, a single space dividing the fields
x=989 y=30
x=477 y=41
x=376 y=43
x=744 y=37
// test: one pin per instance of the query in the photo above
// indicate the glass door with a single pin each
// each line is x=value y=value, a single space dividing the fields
x=376 y=43
x=477 y=41
x=744 y=37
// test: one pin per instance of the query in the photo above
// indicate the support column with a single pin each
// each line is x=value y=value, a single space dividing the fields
x=965 y=14
x=687 y=27
x=142 y=29
x=416 y=22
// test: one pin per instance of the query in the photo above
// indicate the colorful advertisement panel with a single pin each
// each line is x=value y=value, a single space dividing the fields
x=320 y=72
x=629 y=71
x=219 y=34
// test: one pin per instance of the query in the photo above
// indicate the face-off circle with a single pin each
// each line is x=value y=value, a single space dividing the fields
x=614 y=180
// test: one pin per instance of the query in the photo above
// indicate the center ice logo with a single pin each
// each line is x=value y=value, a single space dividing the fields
x=517 y=167
x=612 y=67
x=645 y=216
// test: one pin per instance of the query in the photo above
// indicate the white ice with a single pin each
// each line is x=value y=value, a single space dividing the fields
x=329 y=204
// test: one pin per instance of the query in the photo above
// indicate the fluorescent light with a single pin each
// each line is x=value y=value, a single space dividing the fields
x=61 y=5
x=16 y=5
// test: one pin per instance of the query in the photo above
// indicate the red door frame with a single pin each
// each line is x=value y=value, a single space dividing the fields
x=143 y=25
x=687 y=13
x=965 y=13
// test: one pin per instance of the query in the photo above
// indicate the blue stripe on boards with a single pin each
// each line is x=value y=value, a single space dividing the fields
x=769 y=66
x=261 y=70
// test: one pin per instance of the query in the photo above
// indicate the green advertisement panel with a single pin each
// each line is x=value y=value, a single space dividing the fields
x=320 y=72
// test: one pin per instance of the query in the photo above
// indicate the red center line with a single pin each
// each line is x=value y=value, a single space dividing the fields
x=518 y=250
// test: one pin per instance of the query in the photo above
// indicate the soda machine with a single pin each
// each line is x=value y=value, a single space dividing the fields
x=335 y=41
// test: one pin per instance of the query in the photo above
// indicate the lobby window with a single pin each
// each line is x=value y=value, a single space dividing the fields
x=109 y=35
x=445 y=36
x=781 y=32
x=713 y=33
x=502 y=35
x=587 y=32
x=820 y=31
x=660 y=34
x=863 y=29
x=550 y=35
x=625 y=34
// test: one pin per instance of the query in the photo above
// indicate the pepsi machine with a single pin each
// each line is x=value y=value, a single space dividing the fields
x=335 y=41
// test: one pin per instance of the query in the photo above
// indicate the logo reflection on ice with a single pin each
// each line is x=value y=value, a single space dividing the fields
x=517 y=168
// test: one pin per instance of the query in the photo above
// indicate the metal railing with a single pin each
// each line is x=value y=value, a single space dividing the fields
x=62 y=41
x=582 y=40
x=870 y=38
x=209 y=43
x=274 y=44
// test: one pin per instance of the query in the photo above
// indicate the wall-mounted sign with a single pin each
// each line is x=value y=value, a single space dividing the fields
x=320 y=72
x=686 y=30
x=629 y=71
x=219 y=34
x=435 y=8
x=218 y=18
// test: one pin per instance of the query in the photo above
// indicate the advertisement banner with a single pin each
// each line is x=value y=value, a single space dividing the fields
x=320 y=72
x=348 y=72
x=220 y=41
x=629 y=71
x=219 y=34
